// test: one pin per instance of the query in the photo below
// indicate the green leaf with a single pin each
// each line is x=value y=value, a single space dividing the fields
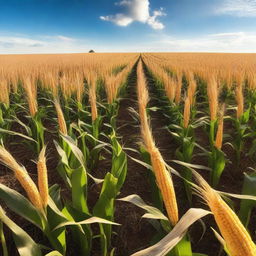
x=54 y=192
x=81 y=234
x=64 y=158
x=88 y=221
x=246 y=206
x=17 y=134
x=152 y=212
x=2 y=240
x=54 y=218
x=104 y=205
x=104 y=208
x=183 y=247
x=76 y=151
x=79 y=187
x=25 y=244
x=20 y=205
x=217 y=161
x=119 y=163
x=245 y=116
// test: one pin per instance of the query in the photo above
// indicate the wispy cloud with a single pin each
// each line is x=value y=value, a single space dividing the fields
x=41 y=44
x=65 y=38
x=136 y=10
x=240 y=8
x=222 y=42
x=20 y=41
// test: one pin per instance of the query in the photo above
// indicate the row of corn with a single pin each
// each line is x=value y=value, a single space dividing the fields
x=84 y=105
x=191 y=102
x=83 y=96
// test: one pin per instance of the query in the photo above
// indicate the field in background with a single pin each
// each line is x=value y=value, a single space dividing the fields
x=109 y=154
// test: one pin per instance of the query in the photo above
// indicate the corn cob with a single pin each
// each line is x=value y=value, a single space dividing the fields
x=212 y=91
x=165 y=184
x=31 y=97
x=163 y=177
x=5 y=91
x=192 y=88
x=240 y=100
x=219 y=135
x=22 y=176
x=238 y=240
x=61 y=119
x=186 y=114
x=179 y=87
x=42 y=177
x=93 y=103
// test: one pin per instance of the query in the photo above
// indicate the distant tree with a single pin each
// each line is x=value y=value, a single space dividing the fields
x=91 y=51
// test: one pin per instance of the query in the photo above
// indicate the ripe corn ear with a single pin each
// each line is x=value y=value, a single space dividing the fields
x=43 y=178
x=22 y=176
x=61 y=119
x=186 y=114
x=238 y=240
x=163 y=177
x=219 y=135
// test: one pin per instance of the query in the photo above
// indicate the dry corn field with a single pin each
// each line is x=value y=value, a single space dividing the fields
x=128 y=154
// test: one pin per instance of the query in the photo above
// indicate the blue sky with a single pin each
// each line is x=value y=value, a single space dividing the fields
x=63 y=26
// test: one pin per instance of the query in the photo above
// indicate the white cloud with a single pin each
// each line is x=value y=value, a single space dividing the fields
x=65 y=38
x=20 y=41
x=41 y=44
x=240 y=8
x=119 y=19
x=222 y=42
x=153 y=22
x=136 y=10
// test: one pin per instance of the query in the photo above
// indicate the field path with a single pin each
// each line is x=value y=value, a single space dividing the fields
x=134 y=233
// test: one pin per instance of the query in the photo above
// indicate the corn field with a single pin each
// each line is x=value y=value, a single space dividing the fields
x=133 y=154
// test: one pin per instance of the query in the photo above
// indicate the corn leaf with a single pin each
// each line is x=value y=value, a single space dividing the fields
x=2 y=240
x=174 y=237
x=86 y=222
x=152 y=212
x=79 y=185
x=26 y=246
x=246 y=206
x=20 y=205
x=17 y=134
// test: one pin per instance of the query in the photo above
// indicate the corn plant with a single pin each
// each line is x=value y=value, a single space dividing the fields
x=216 y=156
x=163 y=178
x=73 y=170
x=242 y=131
x=36 y=209
x=5 y=120
x=113 y=182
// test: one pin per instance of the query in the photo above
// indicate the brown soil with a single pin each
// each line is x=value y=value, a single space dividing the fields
x=134 y=233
